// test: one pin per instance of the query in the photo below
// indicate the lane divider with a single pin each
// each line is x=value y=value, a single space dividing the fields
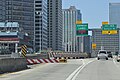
x=38 y=61
x=73 y=75
x=115 y=63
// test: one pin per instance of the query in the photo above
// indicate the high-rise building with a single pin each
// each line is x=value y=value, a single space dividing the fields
x=114 y=13
x=21 y=11
x=41 y=29
x=70 y=41
x=109 y=42
x=55 y=24
x=87 y=44
x=114 y=16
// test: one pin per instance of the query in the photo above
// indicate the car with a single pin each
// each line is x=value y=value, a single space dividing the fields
x=102 y=54
x=118 y=58
x=110 y=54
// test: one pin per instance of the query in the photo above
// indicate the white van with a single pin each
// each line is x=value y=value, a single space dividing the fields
x=102 y=54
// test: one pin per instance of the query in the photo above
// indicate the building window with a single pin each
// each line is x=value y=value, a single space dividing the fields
x=38 y=5
x=38 y=1
x=37 y=24
x=39 y=9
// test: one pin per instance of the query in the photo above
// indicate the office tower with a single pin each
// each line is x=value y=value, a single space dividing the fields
x=87 y=44
x=41 y=30
x=21 y=11
x=109 y=42
x=55 y=25
x=114 y=16
x=114 y=13
x=70 y=42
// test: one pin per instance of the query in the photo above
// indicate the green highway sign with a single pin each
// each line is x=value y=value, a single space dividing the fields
x=82 y=29
x=109 y=27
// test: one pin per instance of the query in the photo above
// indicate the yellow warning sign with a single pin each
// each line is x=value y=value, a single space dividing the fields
x=104 y=23
x=24 y=50
x=113 y=32
x=93 y=46
x=79 y=22
x=109 y=31
x=105 y=32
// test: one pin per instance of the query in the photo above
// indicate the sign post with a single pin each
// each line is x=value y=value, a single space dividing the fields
x=81 y=31
x=93 y=49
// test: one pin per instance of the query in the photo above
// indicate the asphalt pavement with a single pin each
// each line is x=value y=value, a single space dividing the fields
x=100 y=70
x=53 y=71
x=81 y=69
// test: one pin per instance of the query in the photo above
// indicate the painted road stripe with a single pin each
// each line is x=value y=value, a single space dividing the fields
x=24 y=55
x=53 y=61
x=24 y=50
x=29 y=61
x=38 y=61
x=47 y=61
x=77 y=71
x=50 y=60
x=42 y=60
x=115 y=63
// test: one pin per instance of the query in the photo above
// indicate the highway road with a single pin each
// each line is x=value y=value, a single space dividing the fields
x=87 y=69
x=100 y=70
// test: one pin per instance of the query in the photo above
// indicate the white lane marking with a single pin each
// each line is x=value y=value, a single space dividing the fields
x=83 y=61
x=115 y=63
x=73 y=75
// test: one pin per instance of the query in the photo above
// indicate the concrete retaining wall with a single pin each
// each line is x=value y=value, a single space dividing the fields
x=37 y=56
x=5 y=56
x=85 y=55
x=12 y=64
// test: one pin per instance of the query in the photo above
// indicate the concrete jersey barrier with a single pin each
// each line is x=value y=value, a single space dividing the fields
x=12 y=64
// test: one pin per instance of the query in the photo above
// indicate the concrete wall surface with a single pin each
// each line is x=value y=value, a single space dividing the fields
x=5 y=56
x=12 y=64
x=37 y=56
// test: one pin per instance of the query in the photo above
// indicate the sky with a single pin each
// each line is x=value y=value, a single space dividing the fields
x=94 y=12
